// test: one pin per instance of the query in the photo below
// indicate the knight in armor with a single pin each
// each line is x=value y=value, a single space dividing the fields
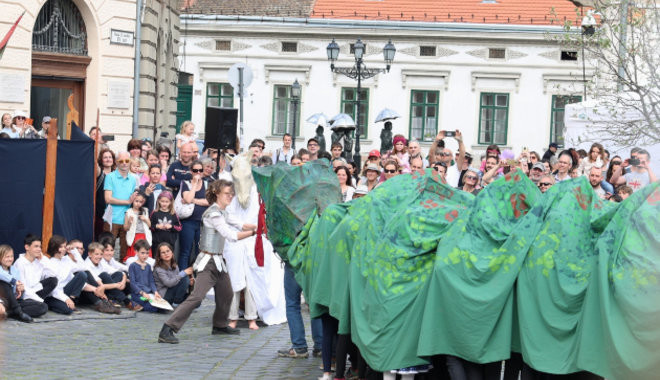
x=210 y=264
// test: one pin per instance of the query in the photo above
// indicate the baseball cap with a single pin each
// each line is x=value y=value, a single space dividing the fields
x=539 y=166
x=374 y=153
x=46 y=119
x=554 y=145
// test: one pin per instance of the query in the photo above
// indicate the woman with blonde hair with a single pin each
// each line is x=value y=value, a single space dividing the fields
x=594 y=159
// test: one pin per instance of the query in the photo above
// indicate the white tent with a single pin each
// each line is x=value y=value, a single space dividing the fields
x=581 y=120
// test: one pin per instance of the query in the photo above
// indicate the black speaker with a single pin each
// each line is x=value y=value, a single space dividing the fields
x=220 y=130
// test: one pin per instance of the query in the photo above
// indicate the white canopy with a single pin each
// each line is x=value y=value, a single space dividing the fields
x=580 y=120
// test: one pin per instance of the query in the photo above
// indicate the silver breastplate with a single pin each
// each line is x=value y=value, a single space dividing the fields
x=210 y=240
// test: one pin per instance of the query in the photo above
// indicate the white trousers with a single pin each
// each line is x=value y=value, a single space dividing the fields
x=250 y=306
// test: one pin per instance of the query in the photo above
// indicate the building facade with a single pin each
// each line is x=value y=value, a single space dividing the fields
x=499 y=78
x=74 y=60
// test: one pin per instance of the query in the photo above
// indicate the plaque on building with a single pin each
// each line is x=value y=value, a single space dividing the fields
x=121 y=37
x=119 y=95
x=13 y=88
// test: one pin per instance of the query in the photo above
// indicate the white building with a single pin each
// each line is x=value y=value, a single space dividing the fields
x=85 y=50
x=479 y=67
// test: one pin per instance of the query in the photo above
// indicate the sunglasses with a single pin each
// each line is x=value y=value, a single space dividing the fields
x=616 y=162
x=196 y=170
x=470 y=177
x=390 y=171
x=445 y=154
x=20 y=117
x=123 y=161
x=544 y=184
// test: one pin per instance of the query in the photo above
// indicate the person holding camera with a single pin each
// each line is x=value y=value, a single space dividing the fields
x=453 y=171
x=640 y=173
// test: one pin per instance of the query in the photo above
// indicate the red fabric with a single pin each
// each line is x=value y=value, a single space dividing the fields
x=261 y=229
x=130 y=252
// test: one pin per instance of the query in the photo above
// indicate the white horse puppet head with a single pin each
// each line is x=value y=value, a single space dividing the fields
x=243 y=181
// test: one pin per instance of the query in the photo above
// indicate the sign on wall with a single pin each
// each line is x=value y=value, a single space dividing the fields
x=13 y=88
x=119 y=95
x=121 y=37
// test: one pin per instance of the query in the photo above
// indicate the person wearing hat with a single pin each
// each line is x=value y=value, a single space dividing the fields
x=550 y=153
x=360 y=191
x=538 y=170
x=400 y=152
x=45 y=124
x=372 y=174
x=374 y=156
x=25 y=130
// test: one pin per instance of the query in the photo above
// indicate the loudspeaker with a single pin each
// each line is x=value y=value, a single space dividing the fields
x=220 y=130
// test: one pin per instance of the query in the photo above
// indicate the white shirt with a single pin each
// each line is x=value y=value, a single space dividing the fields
x=221 y=224
x=112 y=266
x=31 y=274
x=64 y=269
x=95 y=270
x=453 y=175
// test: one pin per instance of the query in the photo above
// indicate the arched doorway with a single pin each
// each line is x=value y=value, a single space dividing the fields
x=59 y=65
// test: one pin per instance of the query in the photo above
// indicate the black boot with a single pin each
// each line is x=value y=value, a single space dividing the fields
x=23 y=317
x=167 y=335
x=225 y=330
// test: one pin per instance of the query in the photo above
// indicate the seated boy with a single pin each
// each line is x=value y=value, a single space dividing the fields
x=108 y=262
x=114 y=284
x=38 y=283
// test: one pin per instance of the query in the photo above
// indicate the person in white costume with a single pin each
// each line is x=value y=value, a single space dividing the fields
x=263 y=286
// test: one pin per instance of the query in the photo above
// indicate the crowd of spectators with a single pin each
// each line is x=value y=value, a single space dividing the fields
x=144 y=200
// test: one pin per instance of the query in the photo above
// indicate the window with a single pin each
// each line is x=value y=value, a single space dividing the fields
x=59 y=28
x=219 y=95
x=423 y=115
x=283 y=116
x=349 y=106
x=427 y=51
x=493 y=118
x=497 y=53
x=559 y=102
x=223 y=45
x=289 y=47
x=569 y=55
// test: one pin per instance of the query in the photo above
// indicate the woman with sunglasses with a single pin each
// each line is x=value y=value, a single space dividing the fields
x=8 y=127
x=24 y=129
x=390 y=169
x=193 y=191
x=470 y=181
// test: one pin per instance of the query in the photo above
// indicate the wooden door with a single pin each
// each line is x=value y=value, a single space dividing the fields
x=58 y=98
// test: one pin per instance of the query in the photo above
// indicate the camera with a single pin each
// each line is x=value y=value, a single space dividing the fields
x=109 y=138
x=634 y=161
x=450 y=133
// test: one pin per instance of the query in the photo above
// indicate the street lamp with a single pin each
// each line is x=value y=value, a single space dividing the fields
x=295 y=98
x=588 y=29
x=359 y=71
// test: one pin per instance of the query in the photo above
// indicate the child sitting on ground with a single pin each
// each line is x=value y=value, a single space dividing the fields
x=108 y=263
x=143 y=286
x=115 y=283
x=170 y=281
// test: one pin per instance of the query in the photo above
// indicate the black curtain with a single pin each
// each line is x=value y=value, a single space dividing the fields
x=74 y=190
x=22 y=173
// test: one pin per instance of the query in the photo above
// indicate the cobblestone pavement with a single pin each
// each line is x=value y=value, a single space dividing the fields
x=127 y=348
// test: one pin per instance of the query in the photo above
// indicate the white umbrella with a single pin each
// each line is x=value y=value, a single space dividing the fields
x=387 y=114
x=318 y=119
x=342 y=120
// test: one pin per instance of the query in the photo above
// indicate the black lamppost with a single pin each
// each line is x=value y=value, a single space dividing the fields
x=295 y=99
x=588 y=29
x=359 y=71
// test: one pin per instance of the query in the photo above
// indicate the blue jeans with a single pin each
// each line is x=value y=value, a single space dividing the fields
x=292 y=292
x=188 y=242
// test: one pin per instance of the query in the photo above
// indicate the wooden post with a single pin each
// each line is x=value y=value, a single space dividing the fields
x=49 y=187
x=96 y=168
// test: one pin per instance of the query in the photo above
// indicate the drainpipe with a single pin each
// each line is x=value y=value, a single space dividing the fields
x=136 y=70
